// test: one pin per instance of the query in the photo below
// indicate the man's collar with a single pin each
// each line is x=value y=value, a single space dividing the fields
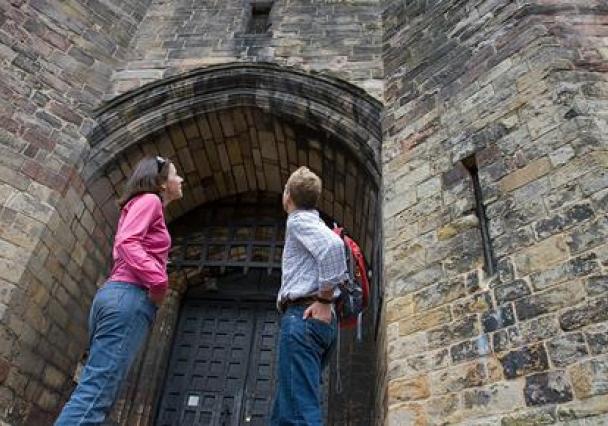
x=298 y=212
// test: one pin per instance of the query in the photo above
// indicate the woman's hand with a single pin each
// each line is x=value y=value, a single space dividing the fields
x=319 y=311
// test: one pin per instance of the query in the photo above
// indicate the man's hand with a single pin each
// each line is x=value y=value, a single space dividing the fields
x=320 y=311
x=157 y=298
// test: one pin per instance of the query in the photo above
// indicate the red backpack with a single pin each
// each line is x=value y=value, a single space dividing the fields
x=354 y=293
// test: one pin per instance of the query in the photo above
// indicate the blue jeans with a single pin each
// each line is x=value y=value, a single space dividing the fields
x=119 y=322
x=304 y=349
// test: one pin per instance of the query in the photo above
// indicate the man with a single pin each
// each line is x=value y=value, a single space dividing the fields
x=313 y=265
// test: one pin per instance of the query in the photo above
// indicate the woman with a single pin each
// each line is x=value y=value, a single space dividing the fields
x=124 y=308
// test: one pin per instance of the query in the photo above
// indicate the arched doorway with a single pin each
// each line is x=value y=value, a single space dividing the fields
x=222 y=364
x=238 y=131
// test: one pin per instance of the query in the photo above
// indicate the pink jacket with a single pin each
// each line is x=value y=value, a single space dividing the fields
x=141 y=244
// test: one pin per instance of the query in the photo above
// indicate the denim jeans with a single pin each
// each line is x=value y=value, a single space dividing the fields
x=120 y=319
x=304 y=349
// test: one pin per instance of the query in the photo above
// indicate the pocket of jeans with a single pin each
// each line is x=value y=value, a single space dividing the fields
x=318 y=321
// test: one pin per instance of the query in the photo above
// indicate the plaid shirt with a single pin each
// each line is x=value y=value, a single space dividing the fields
x=313 y=257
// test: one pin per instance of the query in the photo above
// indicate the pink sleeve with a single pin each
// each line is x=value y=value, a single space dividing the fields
x=128 y=242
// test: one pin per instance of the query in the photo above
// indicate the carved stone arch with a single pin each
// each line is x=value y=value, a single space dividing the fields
x=323 y=103
x=233 y=130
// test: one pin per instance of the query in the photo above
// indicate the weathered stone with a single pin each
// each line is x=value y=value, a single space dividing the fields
x=536 y=417
x=523 y=361
x=425 y=321
x=429 y=361
x=406 y=415
x=550 y=300
x=457 y=378
x=511 y=291
x=590 y=378
x=442 y=408
x=597 y=286
x=547 y=388
x=458 y=330
x=438 y=295
x=574 y=268
x=567 y=349
x=399 y=308
x=496 y=398
x=589 y=407
x=401 y=390
x=588 y=236
x=454 y=228
x=499 y=318
x=470 y=349
x=592 y=311
x=597 y=338
x=525 y=175
x=479 y=302
x=540 y=255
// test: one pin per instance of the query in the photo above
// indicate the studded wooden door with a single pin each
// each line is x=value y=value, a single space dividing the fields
x=222 y=367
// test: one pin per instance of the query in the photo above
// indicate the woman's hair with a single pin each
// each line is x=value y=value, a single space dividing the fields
x=304 y=188
x=148 y=176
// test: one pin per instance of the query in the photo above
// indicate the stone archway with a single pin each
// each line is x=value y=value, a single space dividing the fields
x=232 y=129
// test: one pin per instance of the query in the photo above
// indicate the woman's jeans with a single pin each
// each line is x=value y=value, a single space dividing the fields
x=305 y=346
x=119 y=322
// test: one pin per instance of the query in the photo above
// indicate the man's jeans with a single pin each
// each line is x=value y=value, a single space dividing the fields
x=304 y=349
x=119 y=322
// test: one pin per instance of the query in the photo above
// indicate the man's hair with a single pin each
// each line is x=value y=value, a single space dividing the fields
x=304 y=188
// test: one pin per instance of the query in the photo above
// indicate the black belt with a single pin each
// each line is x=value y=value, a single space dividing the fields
x=302 y=301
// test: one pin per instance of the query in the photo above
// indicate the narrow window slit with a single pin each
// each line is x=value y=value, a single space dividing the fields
x=470 y=164
x=259 y=22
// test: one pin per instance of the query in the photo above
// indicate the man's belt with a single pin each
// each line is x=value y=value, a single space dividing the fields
x=301 y=301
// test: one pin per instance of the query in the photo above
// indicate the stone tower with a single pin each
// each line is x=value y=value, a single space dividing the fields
x=462 y=143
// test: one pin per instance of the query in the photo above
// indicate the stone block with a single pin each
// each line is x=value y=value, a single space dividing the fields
x=425 y=321
x=470 y=349
x=567 y=349
x=455 y=379
x=442 y=409
x=399 y=307
x=502 y=317
x=523 y=361
x=582 y=409
x=590 y=312
x=438 y=294
x=510 y=291
x=597 y=338
x=407 y=346
x=454 y=228
x=597 y=285
x=590 y=378
x=554 y=298
x=547 y=388
x=458 y=330
x=535 y=416
x=527 y=174
x=589 y=235
x=496 y=398
x=541 y=255
x=429 y=361
x=580 y=266
x=406 y=415
x=477 y=303
x=402 y=390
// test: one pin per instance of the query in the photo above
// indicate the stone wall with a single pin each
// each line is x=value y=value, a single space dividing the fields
x=56 y=61
x=60 y=60
x=339 y=38
x=519 y=88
